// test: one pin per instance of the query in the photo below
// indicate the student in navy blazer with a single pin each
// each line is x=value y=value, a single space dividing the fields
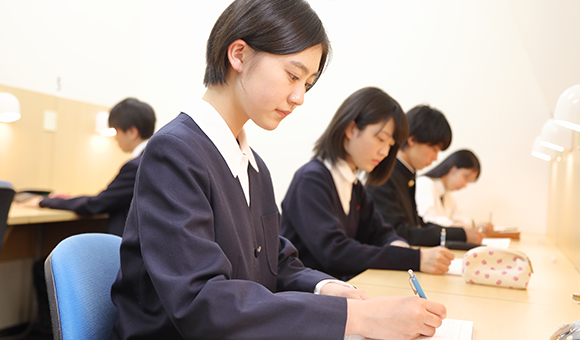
x=328 y=215
x=201 y=257
x=134 y=122
x=429 y=133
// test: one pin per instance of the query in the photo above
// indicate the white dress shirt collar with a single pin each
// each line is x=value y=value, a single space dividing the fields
x=439 y=186
x=344 y=178
x=236 y=153
x=139 y=149
x=413 y=171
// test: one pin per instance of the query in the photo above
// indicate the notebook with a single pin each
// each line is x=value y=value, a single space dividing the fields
x=451 y=329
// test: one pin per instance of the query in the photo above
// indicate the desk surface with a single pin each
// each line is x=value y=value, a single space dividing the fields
x=34 y=232
x=498 y=313
x=26 y=215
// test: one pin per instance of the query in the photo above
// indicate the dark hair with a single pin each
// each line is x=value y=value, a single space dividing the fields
x=132 y=112
x=428 y=126
x=461 y=159
x=366 y=106
x=278 y=27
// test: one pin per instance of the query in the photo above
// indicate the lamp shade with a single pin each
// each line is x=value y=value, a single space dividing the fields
x=567 y=111
x=542 y=152
x=9 y=108
x=555 y=136
x=102 y=125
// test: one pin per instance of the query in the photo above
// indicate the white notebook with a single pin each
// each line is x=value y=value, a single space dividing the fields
x=497 y=242
x=451 y=329
x=456 y=267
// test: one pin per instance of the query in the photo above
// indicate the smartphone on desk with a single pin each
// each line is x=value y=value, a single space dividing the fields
x=458 y=245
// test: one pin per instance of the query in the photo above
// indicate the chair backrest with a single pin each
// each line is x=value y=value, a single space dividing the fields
x=80 y=271
x=6 y=196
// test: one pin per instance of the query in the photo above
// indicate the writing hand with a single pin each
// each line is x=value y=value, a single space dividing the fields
x=394 y=317
x=473 y=236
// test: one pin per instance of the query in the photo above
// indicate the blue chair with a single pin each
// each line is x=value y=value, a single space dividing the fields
x=80 y=271
x=6 y=196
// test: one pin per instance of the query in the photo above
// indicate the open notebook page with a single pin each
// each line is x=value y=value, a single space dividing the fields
x=451 y=329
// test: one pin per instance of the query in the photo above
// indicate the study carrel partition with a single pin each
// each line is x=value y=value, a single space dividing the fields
x=72 y=159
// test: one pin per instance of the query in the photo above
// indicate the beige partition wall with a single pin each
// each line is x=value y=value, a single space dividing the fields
x=564 y=203
x=70 y=158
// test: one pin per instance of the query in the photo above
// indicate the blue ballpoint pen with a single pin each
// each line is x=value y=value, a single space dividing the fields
x=443 y=237
x=415 y=286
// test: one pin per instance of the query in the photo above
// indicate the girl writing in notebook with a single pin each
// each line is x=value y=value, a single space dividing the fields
x=328 y=215
x=435 y=202
x=201 y=257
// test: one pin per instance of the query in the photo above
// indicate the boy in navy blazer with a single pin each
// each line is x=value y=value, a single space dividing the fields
x=134 y=122
x=429 y=133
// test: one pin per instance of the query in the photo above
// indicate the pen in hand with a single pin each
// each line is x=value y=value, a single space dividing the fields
x=443 y=237
x=415 y=286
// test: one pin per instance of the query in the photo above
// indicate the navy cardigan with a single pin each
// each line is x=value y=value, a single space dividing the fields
x=327 y=239
x=198 y=263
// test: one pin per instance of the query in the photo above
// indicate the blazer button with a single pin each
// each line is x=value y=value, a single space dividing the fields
x=257 y=251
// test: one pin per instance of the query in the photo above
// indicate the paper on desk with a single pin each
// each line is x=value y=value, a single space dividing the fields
x=455 y=267
x=505 y=229
x=497 y=242
x=452 y=329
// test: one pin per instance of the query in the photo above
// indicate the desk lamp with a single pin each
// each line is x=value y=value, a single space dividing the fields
x=102 y=125
x=567 y=111
x=542 y=152
x=555 y=136
x=9 y=108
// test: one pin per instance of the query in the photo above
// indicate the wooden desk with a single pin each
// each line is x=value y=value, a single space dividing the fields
x=34 y=232
x=498 y=313
x=26 y=215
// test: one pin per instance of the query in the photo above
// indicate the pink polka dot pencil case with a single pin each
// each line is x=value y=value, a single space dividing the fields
x=498 y=267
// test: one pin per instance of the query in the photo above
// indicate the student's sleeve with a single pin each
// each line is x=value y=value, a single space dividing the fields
x=308 y=208
x=116 y=196
x=191 y=273
x=430 y=234
x=388 y=202
x=373 y=229
x=292 y=275
x=428 y=208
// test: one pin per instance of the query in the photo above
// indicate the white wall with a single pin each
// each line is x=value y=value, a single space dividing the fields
x=495 y=68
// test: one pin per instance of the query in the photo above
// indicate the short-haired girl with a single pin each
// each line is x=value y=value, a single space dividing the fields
x=201 y=257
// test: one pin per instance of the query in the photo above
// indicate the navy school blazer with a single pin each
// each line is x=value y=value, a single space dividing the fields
x=198 y=263
x=329 y=240
x=114 y=200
